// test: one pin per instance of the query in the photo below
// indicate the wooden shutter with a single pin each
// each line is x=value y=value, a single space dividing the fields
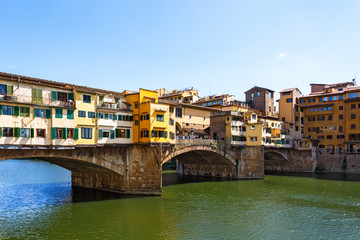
x=32 y=132
x=127 y=133
x=101 y=134
x=71 y=96
x=54 y=95
x=17 y=132
x=53 y=133
x=65 y=133
x=16 y=110
x=48 y=113
x=112 y=134
x=76 y=133
x=1 y=131
x=10 y=89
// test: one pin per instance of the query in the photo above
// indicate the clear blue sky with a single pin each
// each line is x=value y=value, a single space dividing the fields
x=215 y=46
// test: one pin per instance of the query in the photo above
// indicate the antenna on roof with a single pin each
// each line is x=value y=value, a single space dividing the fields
x=354 y=79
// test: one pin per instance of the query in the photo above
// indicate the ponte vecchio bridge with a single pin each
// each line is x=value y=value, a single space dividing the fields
x=136 y=168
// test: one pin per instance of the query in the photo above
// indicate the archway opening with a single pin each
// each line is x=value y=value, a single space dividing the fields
x=274 y=161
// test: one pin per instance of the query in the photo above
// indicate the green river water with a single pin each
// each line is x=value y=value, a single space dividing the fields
x=37 y=202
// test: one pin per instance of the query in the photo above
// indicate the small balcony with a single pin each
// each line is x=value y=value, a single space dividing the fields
x=42 y=101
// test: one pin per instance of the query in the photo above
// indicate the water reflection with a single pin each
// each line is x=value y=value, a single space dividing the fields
x=37 y=202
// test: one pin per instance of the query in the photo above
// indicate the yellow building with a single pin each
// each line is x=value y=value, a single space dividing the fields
x=287 y=103
x=151 y=118
x=254 y=129
x=332 y=117
x=184 y=96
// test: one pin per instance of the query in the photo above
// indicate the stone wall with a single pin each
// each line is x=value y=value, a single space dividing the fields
x=339 y=162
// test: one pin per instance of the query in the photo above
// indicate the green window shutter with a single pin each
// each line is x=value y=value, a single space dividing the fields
x=64 y=133
x=70 y=114
x=71 y=96
x=32 y=133
x=120 y=117
x=39 y=96
x=48 y=113
x=58 y=113
x=166 y=134
x=100 y=134
x=35 y=115
x=114 y=117
x=106 y=116
x=1 y=131
x=98 y=115
x=76 y=133
x=1 y=109
x=127 y=133
x=33 y=94
x=127 y=118
x=117 y=133
x=112 y=134
x=54 y=95
x=131 y=118
x=16 y=110
x=152 y=133
x=17 y=132
x=53 y=133
x=10 y=89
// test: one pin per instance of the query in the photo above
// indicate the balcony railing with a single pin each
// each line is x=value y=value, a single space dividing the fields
x=36 y=100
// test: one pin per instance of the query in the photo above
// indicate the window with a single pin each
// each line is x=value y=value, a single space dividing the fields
x=220 y=101
x=81 y=113
x=325 y=99
x=353 y=116
x=330 y=117
x=58 y=113
x=289 y=100
x=3 y=90
x=353 y=106
x=330 y=99
x=209 y=103
x=340 y=128
x=341 y=116
x=40 y=133
x=302 y=100
x=252 y=127
x=24 y=111
x=253 y=139
x=36 y=95
x=353 y=126
x=7 y=110
x=341 y=97
x=320 y=137
x=204 y=104
x=286 y=93
x=270 y=95
x=341 y=107
x=136 y=122
x=86 y=98
x=329 y=137
x=86 y=133
x=136 y=105
x=352 y=95
x=91 y=114
x=311 y=100
x=321 y=118
x=25 y=132
x=179 y=112
x=59 y=133
x=311 y=119
x=340 y=136
x=171 y=109
x=320 y=99
x=335 y=98
x=62 y=96
x=70 y=114
x=159 y=117
x=40 y=113
x=8 y=132
x=70 y=133
x=105 y=133
x=145 y=134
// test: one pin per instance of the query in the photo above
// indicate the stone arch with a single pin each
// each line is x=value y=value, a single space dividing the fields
x=274 y=155
x=178 y=129
x=214 y=155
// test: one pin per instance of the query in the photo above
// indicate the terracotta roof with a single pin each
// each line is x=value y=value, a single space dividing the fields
x=188 y=105
x=259 y=88
x=39 y=81
x=289 y=90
